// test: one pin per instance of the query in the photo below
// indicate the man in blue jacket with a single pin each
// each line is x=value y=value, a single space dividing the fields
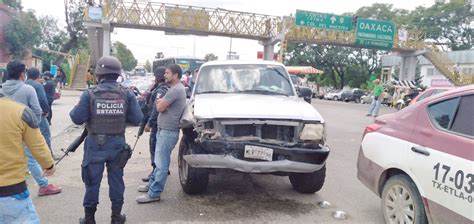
x=33 y=80
x=105 y=109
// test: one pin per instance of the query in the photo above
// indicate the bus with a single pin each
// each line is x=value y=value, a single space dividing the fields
x=186 y=63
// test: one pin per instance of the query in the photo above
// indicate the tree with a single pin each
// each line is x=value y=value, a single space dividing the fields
x=74 y=11
x=148 y=66
x=52 y=37
x=125 y=56
x=210 y=57
x=446 y=23
x=22 y=34
x=14 y=4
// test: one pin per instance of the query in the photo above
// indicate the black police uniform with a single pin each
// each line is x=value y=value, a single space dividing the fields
x=105 y=110
x=158 y=92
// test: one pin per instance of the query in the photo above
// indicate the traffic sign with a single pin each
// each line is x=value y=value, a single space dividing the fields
x=375 y=34
x=323 y=21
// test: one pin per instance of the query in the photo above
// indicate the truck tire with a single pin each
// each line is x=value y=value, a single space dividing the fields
x=193 y=180
x=335 y=98
x=308 y=183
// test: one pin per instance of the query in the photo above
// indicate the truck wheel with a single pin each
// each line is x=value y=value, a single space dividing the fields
x=193 y=180
x=335 y=98
x=308 y=183
x=401 y=201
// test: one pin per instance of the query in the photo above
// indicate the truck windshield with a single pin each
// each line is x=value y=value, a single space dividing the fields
x=250 y=79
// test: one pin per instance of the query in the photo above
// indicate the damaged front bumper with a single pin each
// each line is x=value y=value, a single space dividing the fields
x=230 y=155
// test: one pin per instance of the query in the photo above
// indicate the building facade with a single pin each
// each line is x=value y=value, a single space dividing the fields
x=5 y=17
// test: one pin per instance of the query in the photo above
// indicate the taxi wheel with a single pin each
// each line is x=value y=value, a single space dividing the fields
x=401 y=202
x=308 y=183
x=193 y=180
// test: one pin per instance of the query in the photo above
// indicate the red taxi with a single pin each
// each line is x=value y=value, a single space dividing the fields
x=420 y=160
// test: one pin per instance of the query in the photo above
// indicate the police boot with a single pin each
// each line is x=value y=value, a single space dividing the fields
x=89 y=217
x=117 y=216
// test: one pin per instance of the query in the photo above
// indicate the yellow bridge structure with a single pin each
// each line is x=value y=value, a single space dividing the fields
x=267 y=29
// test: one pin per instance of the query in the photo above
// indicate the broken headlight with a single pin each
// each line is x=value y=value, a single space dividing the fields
x=313 y=132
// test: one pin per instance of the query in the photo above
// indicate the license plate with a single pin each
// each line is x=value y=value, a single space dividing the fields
x=257 y=152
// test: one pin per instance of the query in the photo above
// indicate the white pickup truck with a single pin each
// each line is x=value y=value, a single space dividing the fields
x=249 y=118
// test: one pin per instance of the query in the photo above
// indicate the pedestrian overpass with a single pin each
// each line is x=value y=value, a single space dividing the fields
x=268 y=30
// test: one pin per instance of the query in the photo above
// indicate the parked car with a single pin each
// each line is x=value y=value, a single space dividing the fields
x=419 y=160
x=352 y=95
x=334 y=95
x=366 y=99
x=254 y=124
x=429 y=92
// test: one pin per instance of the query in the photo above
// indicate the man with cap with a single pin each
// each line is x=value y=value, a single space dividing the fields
x=158 y=91
x=105 y=109
x=375 y=106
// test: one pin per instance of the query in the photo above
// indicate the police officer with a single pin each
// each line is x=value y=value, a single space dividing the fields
x=158 y=91
x=105 y=109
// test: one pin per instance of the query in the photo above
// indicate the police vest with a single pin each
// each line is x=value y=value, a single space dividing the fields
x=108 y=111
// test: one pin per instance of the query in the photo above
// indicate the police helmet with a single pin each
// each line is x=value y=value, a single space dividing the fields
x=108 y=65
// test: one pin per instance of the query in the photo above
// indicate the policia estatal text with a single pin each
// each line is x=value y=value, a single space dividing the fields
x=105 y=109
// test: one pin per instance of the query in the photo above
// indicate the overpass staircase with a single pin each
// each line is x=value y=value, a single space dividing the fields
x=79 y=70
x=447 y=67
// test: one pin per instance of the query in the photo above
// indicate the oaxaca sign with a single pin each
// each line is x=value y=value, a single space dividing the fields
x=375 y=34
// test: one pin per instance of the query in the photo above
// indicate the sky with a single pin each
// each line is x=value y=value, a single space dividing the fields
x=144 y=44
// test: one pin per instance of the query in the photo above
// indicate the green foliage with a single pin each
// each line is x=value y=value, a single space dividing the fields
x=22 y=34
x=448 y=23
x=53 y=38
x=210 y=57
x=14 y=4
x=125 y=56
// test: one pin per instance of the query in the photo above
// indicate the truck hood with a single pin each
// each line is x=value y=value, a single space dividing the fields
x=209 y=106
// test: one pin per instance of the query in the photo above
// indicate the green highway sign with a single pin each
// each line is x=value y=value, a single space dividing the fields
x=323 y=21
x=375 y=34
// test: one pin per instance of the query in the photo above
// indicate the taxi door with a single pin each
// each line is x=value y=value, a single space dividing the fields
x=442 y=157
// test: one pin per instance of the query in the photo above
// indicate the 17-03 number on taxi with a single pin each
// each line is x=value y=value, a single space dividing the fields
x=445 y=177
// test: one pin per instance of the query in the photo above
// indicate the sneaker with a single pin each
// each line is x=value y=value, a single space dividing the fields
x=368 y=115
x=146 y=179
x=146 y=199
x=49 y=190
x=143 y=188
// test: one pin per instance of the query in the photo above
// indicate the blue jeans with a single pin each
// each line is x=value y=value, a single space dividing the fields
x=45 y=131
x=165 y=142
x=18 y=209
x=36 y=170
x=374 y=107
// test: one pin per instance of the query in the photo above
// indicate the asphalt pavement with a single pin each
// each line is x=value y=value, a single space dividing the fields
x=231 y=197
